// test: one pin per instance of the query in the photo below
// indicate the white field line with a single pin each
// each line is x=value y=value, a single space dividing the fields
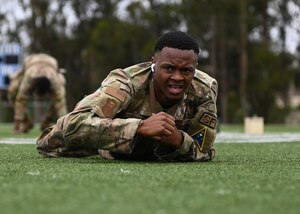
x=222 y=137
x=229 y=137
x=17 y=140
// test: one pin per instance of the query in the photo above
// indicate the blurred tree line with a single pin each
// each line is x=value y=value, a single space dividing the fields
x=253 y=70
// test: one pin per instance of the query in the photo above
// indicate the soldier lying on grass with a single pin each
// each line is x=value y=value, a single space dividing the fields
x=159 y=110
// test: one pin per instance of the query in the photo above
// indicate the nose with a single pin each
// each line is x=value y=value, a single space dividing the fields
x=177 y=76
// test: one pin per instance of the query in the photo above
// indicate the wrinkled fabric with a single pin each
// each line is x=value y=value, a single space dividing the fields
x=106 y=120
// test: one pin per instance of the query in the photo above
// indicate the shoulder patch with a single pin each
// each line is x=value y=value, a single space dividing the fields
x=199 y=136
x=118 y=94
x=208 y=120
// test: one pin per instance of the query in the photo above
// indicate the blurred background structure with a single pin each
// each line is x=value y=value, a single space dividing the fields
x=252 y=47
x=10 y=62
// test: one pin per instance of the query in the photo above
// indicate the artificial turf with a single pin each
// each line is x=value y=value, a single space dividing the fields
x=243 y=178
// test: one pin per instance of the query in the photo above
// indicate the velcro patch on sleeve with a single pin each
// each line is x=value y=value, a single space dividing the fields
x=199 y=136
x=209 y=120
x=116 y=93
x=108 y=108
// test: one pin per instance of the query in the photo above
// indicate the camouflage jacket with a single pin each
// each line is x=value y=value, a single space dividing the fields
x=107 y=120
x=37 y=65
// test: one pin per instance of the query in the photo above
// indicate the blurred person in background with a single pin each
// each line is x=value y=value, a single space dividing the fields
x=40 y=79
x=164 y=109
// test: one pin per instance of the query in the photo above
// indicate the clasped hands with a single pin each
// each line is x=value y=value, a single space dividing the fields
x=161 y=127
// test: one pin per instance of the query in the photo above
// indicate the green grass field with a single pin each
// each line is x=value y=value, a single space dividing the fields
x=6 y=131
x=243 y=178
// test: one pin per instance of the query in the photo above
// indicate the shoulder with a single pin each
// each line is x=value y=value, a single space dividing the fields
x=202 y=81
x=138 y=69
x=135 y=75
x=139 y=74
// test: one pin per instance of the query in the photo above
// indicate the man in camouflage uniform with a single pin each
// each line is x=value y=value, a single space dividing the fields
x=39 y=77
x=159 y=110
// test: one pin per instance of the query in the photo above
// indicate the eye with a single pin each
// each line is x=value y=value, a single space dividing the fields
x=169 y=68
x=186 y=71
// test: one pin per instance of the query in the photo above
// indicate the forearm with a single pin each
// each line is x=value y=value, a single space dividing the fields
x=87 y=130
x=20 y=107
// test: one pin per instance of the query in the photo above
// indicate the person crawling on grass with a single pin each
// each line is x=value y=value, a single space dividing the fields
x=164 y=109
x=39 y=79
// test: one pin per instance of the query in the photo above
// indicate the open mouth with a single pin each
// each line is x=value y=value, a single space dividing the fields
x=175 y=89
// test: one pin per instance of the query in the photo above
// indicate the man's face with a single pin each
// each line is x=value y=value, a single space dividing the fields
x=173 y=73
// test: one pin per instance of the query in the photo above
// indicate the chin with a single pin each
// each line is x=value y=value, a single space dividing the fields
x=175 y=99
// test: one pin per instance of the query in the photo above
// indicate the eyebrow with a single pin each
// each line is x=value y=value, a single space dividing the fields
x=181 y=67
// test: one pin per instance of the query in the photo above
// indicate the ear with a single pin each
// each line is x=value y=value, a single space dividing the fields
x=152 y=67
x=153 y=64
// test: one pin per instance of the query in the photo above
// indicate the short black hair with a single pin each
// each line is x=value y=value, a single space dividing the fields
x=176 y=39
x=41 y=85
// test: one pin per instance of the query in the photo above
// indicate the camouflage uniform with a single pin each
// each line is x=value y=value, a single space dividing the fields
x=106 y=121
x=37 y=65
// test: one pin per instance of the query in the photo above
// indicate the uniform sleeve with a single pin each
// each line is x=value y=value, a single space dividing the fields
x=15 y=80
x=22 y=98
x=200 y=136
x=92 y=125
